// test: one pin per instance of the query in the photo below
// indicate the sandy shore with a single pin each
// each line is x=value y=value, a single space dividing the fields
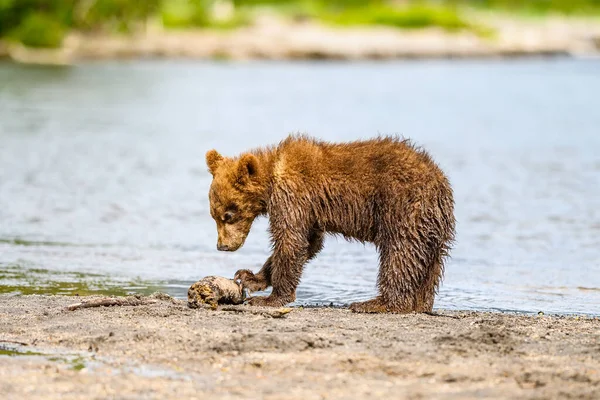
x=276 y=39
x=166 y=350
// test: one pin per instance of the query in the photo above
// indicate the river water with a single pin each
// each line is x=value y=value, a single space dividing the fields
x=103 y=185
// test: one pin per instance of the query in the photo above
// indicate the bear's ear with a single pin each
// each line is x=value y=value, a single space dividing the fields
x=213 y=158
x=247 y=168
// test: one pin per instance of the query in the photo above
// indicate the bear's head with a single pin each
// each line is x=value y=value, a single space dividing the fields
x=235 y=197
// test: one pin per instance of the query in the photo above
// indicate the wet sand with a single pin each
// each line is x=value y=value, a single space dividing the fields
x=167 y=350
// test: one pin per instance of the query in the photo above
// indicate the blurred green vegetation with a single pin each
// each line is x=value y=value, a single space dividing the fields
x=183 y=13
x=44 y=23
x=411 y=17
x=39 y=30
x=200 y=14
x=566 y=7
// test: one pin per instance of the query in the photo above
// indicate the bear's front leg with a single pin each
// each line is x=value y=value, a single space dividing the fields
x=291 y=250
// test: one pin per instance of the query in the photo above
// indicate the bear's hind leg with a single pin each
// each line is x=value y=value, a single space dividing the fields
x=407 y=280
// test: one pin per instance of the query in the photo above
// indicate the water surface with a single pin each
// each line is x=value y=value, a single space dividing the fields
x=103 y=182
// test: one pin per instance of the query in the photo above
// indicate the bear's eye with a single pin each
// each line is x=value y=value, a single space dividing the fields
x=228 y=216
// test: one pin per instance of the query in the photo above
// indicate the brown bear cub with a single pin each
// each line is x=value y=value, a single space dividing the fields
x=384 y=191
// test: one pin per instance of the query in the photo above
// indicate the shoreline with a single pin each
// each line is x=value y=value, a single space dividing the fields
x=276 y=39
x=167 y=350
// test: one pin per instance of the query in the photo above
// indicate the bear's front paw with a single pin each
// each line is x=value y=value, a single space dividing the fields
x=254 y=283
x=269 y=301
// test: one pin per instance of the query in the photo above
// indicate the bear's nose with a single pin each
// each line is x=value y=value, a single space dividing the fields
x=222 y=247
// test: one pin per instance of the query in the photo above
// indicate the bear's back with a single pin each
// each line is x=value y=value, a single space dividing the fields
x=360 y=163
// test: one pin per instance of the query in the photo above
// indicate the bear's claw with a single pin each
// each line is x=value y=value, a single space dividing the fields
x=254 y=283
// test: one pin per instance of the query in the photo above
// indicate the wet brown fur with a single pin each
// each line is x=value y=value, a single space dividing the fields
x=384 y=191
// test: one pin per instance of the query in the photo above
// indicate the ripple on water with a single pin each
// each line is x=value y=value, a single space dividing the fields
x=102 y=172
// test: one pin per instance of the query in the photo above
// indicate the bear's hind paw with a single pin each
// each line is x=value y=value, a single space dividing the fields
x=377 y=305
x=269 y=301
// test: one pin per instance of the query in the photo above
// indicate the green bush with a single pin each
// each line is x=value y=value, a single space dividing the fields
x=116 y=15
x=329 y=3
x=9 y=16
x=568 y=7
x=412 y=17
x=185 y=13
x=39 y=30
x=197 y=13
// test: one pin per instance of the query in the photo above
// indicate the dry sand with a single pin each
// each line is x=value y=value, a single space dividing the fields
x=167 y=350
